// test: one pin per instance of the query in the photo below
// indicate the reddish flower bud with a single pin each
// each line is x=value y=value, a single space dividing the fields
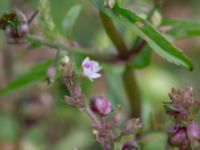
x=15 y=33
x=131 y=145
x=194 y=131
x=178 y=137
x=101 y=105
x=11 y=32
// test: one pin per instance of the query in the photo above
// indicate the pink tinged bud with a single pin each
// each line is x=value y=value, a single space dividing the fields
x=117 y=118
x=132 y=145
x=178 y=137
x=23 y=30
x=91 y=69
x=174 y=110
x=101 y=106
x=194 y=131
x=51 y=71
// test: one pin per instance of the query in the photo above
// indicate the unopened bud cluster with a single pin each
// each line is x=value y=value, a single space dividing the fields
x=100 y=108
x=183 y=107
x=16 y=25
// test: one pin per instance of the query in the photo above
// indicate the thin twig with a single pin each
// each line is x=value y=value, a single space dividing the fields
x=108 y=58
x=32 y=16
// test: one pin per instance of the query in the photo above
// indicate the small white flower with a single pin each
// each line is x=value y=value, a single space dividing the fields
x=91 y=69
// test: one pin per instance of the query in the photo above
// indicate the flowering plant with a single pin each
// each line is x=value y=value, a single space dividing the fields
x=121 y=108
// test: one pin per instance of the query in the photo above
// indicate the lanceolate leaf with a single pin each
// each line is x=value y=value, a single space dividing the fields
x=145 y=30
x=70 y=19
x=182 y=28
x=36 y=73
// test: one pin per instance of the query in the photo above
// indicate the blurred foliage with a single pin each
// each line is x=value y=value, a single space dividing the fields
x=37 y=73
x=67 y=128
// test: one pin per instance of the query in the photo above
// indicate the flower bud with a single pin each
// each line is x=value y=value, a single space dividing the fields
x=101 y=106
x=23 y=30
x=117 y=118
x=131 y=145
x=66 y=67
x=65 y=60
x=132 y=126
x=194 y=131
x=51 y=71
x=11 y=32
x=178 y=137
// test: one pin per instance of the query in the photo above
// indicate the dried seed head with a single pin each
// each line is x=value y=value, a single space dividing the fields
x=183 y=105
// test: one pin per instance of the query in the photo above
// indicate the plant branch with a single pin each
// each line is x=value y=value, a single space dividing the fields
x=132 y=91
x=108 y=58
x=128 y=76
x=114 y=35
x=32 y=17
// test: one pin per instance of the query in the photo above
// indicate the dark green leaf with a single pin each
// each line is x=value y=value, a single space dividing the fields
x=36 y=73
x=4 y=5
x=70 y=19
x=146 y=31
x=155 y=40
x=9 y=19
x=182 y=28
x=143 y=59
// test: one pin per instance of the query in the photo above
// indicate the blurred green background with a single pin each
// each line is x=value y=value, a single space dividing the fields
x=37 y=117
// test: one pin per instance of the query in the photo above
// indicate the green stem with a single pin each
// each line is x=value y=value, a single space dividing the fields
x=114 y=35
x=112 y=146
x=128 y=77
x=132 y=91
x=109 y=58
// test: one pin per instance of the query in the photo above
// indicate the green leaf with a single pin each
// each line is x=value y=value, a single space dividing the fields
x=36 y=73
x=4 y=5
x=70 y=19
x=146 y=31
x=9 y=128
x=182 y=28
x=143 y=59
x=9 y=19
